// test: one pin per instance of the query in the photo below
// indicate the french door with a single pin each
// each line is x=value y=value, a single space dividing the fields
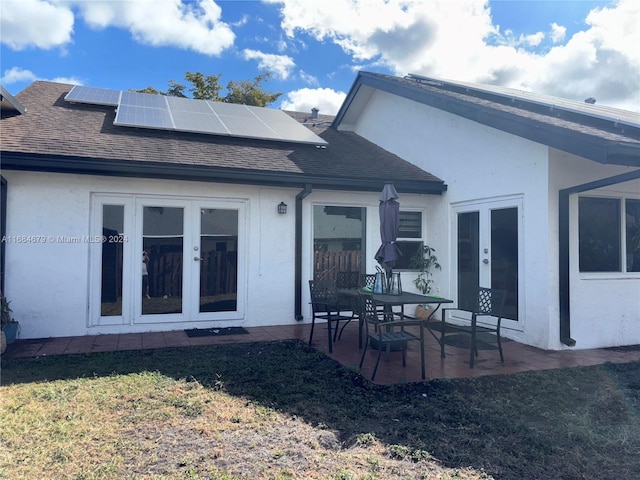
x=177 y=260
x=487 y=253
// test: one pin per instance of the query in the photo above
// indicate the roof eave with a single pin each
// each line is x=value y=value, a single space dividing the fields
x=126 y=168
x=588 y=146
x=10 y=103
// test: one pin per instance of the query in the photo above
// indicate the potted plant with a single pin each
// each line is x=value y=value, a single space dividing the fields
x=425 y=261
x=9 y=325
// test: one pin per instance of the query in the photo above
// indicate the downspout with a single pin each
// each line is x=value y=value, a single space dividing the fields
x=3 y=228
x=298 y=251
x=563 y=270
x=564 y=281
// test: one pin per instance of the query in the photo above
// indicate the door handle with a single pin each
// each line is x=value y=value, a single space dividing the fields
x=485 y=261
x=197 y=259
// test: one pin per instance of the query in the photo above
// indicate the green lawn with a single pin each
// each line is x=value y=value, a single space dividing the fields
x=282 y=410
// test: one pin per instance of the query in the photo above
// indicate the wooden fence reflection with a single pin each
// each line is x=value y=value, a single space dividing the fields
x=326 y=265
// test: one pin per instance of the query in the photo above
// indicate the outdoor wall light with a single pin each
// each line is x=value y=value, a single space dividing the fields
x=282 y=208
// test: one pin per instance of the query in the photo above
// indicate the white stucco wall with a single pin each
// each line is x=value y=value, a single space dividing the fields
x=480 y=165
x=48 y=283
x=605 y=307
x=424 y=203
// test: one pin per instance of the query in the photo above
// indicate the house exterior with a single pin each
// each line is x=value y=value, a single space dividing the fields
x=84 y=197
x=543 y=200
x=536 y=196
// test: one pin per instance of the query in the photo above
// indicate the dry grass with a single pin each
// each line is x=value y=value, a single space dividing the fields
x=283 y=411
x=147 y=425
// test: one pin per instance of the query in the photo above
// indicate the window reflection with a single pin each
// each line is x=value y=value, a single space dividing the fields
x=162 y=233
x=219 y=260
x=111 y=281
x=338 y=240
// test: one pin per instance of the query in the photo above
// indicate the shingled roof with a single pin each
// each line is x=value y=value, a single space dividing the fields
x=601 y=134
x=56 y=135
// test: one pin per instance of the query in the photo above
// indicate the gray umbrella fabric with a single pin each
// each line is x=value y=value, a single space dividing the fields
x=389 y=210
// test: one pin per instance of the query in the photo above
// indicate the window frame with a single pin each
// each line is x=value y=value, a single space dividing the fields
x=419 y=240
x=622 y=236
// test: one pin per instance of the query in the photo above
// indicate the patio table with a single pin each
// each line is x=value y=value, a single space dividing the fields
x=407 y=298
x=388 y=301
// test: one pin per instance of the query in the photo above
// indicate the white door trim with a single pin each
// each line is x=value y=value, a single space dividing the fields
x=484 y=208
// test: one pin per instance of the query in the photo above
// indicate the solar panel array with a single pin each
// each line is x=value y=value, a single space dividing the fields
x=197 y=116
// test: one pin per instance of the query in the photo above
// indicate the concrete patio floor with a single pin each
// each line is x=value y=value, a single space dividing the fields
x=518 y=357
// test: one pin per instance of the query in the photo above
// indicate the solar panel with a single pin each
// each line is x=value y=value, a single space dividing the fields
x=144 y=100
x=285 y=127
x=195 y=116
x=221 y=108
x=248 y=127
x=179 y=104
x=93 y=96
x=292 y=132
x=145 y=110
x=199 y=123
x=137 y=116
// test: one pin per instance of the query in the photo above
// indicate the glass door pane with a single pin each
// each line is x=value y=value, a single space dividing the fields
x=338 y=240
x=162 y=259
x=468 y=258
x=504 y=257
x=111 y=261
x=218 y=260
x=488 y=254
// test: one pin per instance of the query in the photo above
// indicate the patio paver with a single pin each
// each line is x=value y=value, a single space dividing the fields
x=518 y=357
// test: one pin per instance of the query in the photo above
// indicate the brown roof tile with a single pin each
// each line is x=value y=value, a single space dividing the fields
x=51 y=126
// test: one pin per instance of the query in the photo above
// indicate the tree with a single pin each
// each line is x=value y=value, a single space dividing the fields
x=149 y=89
x=176 y=89
x=250 y=93
x=207 y=87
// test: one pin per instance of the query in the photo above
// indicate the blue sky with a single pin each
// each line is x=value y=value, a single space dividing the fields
x=569 y=49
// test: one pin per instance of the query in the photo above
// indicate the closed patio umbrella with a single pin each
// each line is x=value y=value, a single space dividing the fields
x=389 y=210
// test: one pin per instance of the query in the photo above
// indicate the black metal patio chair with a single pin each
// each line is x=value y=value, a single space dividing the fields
x=387 y=334
x=349 y=280
x=325 y=306
x=489 y=303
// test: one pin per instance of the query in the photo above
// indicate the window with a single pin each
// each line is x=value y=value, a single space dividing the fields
x=632 y=221
x=609 y=232
x=409 y=238
x=338 y=240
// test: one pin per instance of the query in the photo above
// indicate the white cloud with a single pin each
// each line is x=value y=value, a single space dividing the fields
x=458 y=40
x=192 y=25
x=16 y=75
x=532 y=40
x=195 y=25
x=558 y=33
x=308 y=78
x=326 y=100
x=69 y=80
x=280 y=65
x=603 y=61
x=20 y=75
x=35 y=23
